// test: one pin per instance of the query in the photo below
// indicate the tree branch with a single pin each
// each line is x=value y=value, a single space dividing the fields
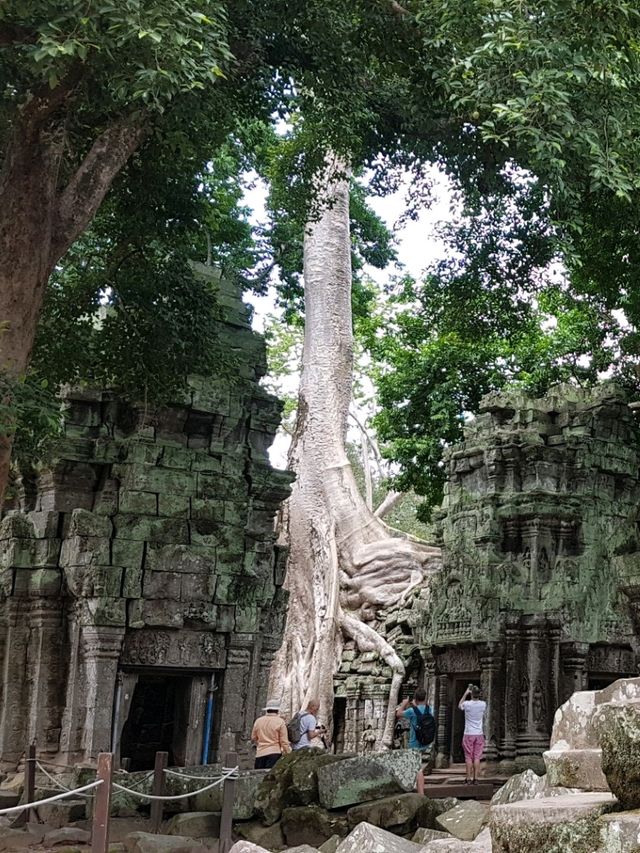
x=390 y=502
x=397 y=9
x=83 y=195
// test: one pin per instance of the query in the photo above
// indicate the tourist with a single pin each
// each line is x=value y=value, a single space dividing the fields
x=303 y=729
x=422 y=727
x=269 y=734
x=473 y=738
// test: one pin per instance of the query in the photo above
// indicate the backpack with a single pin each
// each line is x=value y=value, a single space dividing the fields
x=425 y=727
x=294 y=727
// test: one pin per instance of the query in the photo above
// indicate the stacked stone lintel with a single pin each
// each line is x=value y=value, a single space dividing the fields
x=146 y=541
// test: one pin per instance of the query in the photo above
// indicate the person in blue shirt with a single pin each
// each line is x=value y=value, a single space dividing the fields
x=405 y=709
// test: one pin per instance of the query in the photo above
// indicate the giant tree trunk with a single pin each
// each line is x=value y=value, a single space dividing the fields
x=41 y=216
x=344 y=563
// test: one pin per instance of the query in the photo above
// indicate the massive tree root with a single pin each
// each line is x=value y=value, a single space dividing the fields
x=345 y=564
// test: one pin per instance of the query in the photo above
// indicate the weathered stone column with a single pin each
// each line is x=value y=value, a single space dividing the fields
x=13 y=719
x=431 y=680
x=510 y=700
x=236 y=678
x=443 y=757
x=573 y=661
x=554 y=671
x=100 y=648
x=491 y=683
x=533 y=726
x=45 y=674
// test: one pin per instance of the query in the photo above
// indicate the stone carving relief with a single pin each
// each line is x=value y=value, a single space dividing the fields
x=195 y=649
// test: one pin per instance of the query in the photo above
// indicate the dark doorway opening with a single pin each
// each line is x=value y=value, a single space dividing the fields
x=459 y=684
x=339 y=723
x=155 y=721
x=600 y=680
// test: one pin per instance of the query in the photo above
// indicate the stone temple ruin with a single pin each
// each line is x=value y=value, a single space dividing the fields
x=539 y=594
x=139 y=571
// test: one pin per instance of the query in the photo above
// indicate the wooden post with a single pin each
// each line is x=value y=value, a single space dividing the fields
x=102 y=804
x=155 y=815
x=29 y=786
x=228 y=797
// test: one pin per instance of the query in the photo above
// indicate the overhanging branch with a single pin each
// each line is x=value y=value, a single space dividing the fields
x=83 y=195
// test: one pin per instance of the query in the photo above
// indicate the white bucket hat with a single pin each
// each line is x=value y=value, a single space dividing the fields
x=272 y=705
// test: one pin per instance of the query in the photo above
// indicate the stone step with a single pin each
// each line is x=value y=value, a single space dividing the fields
x=479 y=791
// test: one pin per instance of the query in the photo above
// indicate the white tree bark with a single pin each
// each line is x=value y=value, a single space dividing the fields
x=344 y=562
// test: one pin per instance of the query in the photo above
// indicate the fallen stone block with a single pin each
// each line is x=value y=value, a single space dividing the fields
x=465 y=820
x=576 y=768
x=574 y=757
x=356 y=780
x=277 y=789
x=528 y=786
x=244 y=803
x=146 y=842
x=62 y=812
x=620 y=831
x=247 y=847
x=366 y=838
x=619 y=730
x=312 y=825
x=387 y=812
x=431 y=808
x=67 y=835
x=422 y=835
x=567 y=824
x=302 y=848
x=195 y=825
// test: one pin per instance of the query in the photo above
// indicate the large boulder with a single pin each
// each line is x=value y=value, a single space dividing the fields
x=397 y=812
x=311 y=824
x=195 y=825
x=366 y=838
x=465 y=820
x=619 y=730
x=367 y=777
x=244 y=800
x=146 y=842
x=302 y=848
x=293 y=781
x=575 y=756
x=568 y=824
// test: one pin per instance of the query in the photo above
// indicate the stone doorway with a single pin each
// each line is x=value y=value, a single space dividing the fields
x=159 y=711
x=457 y=686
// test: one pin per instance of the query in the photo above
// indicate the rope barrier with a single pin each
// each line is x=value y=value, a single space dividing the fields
x=53 y=799
x=231 y=773
x=55 y=781
x=194 y=778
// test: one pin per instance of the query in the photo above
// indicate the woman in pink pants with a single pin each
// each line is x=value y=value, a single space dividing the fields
x=473 y=738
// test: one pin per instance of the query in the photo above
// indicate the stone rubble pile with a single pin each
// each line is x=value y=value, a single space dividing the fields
x=588 y=801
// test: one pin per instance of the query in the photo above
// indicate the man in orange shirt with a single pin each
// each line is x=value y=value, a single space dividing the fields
x=270 y=736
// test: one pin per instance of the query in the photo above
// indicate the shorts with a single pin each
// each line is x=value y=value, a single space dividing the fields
x=473 y=746
x=265 y=762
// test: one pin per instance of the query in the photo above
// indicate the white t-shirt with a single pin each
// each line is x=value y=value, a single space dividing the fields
x=307 y=724
x=473 y=713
